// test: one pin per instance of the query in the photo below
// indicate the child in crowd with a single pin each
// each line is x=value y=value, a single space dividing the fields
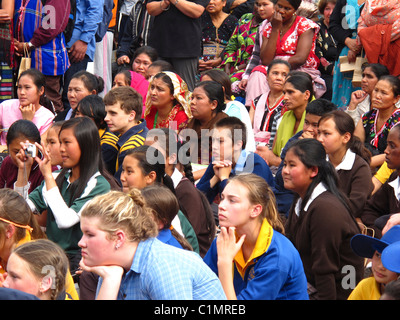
x=21 y=131
x=314 y=111
x=373 y=287
x=123 y=117
x=165 y=207
x=38 y=267
x=349 y=157
x=18 y=225
x=128 y=78
x=53 y=144
x=265 y=263
x=320 y=224
x=144 y=166
x=192 y=202
x=93 y=107
x=230 y=158
x=119 y=240
x=63 y=194
x=28 y=106
x=157 y=67
x=382 y=208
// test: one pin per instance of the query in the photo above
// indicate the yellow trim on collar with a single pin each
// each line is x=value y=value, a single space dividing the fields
x=262 y=245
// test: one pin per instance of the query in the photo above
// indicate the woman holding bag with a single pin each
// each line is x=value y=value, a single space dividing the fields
x=44 y=40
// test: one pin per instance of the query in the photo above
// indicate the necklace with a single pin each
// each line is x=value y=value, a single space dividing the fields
x=282 y=32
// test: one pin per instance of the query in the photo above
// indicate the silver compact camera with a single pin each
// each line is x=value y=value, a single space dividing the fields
x=30 y=150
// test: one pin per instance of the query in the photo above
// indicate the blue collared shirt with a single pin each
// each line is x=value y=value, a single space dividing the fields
x=163 y=272
x=89 y=13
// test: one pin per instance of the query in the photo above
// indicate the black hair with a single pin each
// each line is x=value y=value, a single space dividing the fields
x=378 y=69
x=312 y=154
x=320 y=106
x=278 y=61
x=392 y=290
x=214 y=92
x=149 y=51
x=222 y=78
x=295 y=3
x=91 y=161
x=151 y=159
x=394 y=82
x=345 y=123
x=90 y=81
x=163 y=65
x=24 y=129
x=39 y=81
x=234 y=124
x=127 y=75
x=93 y=107
x=301 y=81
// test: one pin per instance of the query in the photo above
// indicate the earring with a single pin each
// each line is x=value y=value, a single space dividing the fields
x=117 y=246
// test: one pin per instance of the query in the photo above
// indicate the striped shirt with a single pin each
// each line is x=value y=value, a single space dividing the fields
x=131 y=139
x=31 y=23
x=163 y=272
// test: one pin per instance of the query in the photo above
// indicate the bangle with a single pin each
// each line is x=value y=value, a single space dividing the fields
x=166 y=9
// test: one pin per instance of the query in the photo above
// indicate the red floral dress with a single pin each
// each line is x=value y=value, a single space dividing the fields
x=287 y=45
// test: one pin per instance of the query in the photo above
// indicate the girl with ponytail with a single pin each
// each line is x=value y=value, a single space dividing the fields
x=349 y=157
x=320 y=224
x=266 y=266
x=119 y=245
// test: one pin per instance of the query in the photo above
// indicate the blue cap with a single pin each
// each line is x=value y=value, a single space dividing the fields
x=365 y=246
x=391 y=257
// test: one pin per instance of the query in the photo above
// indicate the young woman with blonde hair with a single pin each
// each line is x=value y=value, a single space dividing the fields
x=119 y=245
x=261 y=269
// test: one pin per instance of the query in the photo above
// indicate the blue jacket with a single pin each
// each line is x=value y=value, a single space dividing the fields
x=277 y=274
x=248 y=162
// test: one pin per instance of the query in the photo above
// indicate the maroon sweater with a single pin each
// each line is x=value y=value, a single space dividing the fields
x=9 y=173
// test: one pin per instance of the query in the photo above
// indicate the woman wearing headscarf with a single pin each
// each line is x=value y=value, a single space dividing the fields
x=167 y=102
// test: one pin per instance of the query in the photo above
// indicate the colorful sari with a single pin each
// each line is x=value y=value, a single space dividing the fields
x=179 y=115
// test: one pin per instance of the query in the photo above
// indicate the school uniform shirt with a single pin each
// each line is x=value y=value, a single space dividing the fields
x=56 y=202
x=321 y=232
x=109 y=149
x=366 y=289
x=273 y=272
x=131 y=139
x=192 y=207
x=248 y=162
x=165 y=236
x=355 y=181
x=385 y=201
x=163 y=272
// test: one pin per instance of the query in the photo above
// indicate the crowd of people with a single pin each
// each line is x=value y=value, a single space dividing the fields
x=205 y=149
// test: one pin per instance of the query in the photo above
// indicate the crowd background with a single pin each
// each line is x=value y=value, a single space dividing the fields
x=120 y=149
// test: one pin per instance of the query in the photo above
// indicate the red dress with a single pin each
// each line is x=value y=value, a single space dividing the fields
x=287 y=45
x=177 y=119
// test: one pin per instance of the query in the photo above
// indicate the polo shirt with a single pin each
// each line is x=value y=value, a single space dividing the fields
x=163 y=272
